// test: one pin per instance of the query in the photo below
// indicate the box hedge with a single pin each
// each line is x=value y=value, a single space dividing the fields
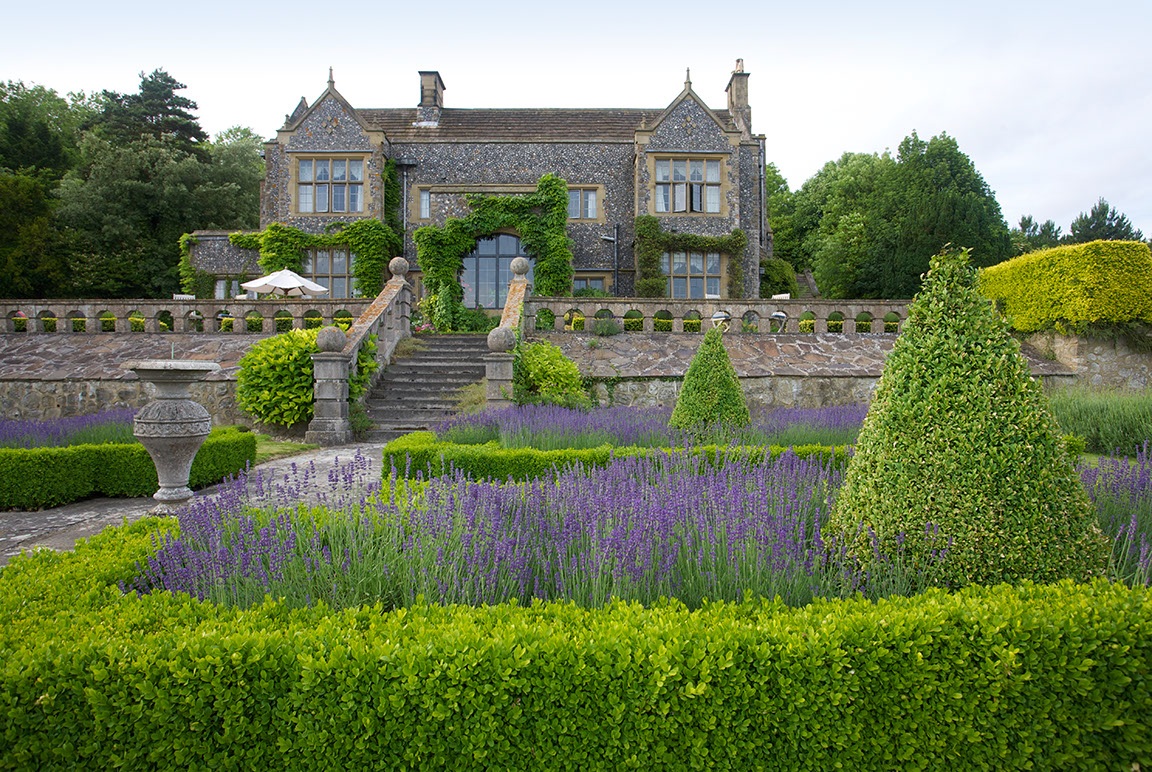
x=1072 y=287
x=421 y=452
x=47 y=477
x=1028 y=677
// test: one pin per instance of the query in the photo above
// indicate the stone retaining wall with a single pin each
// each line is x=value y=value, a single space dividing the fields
x=1107 y=364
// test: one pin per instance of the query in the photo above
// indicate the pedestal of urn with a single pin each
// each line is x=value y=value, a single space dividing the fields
x=173 y=427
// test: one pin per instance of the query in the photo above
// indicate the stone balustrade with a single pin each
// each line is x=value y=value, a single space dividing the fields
x=750 y=316
x=266 y=315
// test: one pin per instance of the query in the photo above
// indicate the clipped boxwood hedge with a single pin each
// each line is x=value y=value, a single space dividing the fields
x=47 y=477
x=1068 y=288
x=1028 y=677
x=423 y=453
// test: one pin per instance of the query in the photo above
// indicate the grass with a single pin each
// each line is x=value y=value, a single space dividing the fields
x=1111 y=422
x=269 y=449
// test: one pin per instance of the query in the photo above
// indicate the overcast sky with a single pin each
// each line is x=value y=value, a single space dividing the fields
x=1051 y=100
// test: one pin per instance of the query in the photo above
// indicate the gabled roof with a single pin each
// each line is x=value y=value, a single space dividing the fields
x=721 y=117
x=516 y=125
x=303 y=110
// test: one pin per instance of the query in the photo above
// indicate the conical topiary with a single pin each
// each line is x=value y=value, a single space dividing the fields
x=711 y=395
x=959 y=438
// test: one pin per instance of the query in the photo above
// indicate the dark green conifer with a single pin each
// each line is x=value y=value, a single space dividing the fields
x=959 y=438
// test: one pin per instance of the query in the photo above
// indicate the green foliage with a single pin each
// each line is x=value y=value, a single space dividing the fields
x=711 y=395
x=781 y=204
x=867 y=224
x=156 y=111
x=32 y=258
x=1102 y=223
x=193 y=281
x=606 y=328
x=39 y=129
x=421 y=453
x=372 y=242
x=959 y=438
x=540 y=218
x=1074 y=288
x=652 y=242
x=987 y=679
x=1107 y=422
x=47 y=477
x=542 y=374
x=777 y=277
x=275 y=381
x=1030 y=235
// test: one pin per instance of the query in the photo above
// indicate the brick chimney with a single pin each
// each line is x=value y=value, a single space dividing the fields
x=738 y=99
x=431 y=98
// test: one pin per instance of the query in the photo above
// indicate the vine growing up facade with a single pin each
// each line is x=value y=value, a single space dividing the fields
x=374 y=243
x=540 y=218
x=652 y=242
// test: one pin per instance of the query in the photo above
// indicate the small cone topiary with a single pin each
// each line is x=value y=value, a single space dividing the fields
x=959 y=438
x=711 y=396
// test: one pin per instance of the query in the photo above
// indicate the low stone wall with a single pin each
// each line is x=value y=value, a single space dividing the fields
x=1099 y=364
x=776 y=370
x=47 y=399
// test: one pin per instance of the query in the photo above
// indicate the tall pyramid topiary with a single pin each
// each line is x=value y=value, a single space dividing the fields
x=961 y=437
x=711 y=395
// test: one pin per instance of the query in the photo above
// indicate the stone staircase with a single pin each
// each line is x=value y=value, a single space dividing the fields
x=416 y=391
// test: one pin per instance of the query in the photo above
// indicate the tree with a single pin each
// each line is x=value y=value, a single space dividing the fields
x=868 y=223
x=959 y=452
x=156 y=112
x=1102 y=223
x=31 y=263
x=1030 y=236
x=230 y=194
x=39 y=129
x=781 y=207
x=711 y=396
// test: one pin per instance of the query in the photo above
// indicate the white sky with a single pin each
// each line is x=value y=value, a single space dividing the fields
x=1051 y=100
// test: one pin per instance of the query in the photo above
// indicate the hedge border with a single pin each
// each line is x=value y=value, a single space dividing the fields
x=988 y=678
x=421 y=453
x=36 y=478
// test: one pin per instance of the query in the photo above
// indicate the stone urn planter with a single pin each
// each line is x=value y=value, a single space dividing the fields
x=173 y=427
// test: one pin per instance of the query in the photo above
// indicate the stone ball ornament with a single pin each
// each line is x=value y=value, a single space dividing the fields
x=331 y=339
x=501 y=339
x=520 y=266
x=398 y=266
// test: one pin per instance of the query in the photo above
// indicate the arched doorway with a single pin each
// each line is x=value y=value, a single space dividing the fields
x=488 y=270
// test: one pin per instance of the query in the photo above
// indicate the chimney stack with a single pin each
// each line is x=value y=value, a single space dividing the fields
x=431 y=98
x=738 y=99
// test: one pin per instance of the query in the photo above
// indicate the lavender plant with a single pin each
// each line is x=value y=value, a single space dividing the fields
x=110 y=426
x=548 y=427
x=1121 y=490
x=640 y=529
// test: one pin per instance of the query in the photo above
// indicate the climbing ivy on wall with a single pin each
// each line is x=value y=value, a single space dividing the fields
x=192 y=280
x=281 y=246
x=652 y=242
x=540 y=218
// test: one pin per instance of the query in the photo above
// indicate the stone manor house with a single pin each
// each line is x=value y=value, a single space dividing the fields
x=697 y=169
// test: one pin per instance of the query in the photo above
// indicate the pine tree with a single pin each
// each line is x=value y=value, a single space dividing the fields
x=959 y=438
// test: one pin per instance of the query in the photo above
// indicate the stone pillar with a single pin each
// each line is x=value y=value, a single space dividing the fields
x=329 y=424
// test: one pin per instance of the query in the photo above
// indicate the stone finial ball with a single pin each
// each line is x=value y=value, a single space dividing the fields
x=501 y=338
x=398 y=266
x=520 y=266
x=331 y=339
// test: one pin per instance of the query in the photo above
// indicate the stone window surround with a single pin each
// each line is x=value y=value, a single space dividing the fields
x=599 y=191
x=723 y=275
x=293 y=180
x=605 y=277
x=725 y=183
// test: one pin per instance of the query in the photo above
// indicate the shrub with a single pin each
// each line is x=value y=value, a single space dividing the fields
x=275 y=380
x=711 y=394
x=1074 y=287
x=960 y=436
x=1109 y=422
x=988 y=678
x=606 y=328
x=777 y=277
x=48 y=477
x=542 y=374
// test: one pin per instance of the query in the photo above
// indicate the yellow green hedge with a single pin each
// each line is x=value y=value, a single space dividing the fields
x=1029 y=677
x=1071 y=287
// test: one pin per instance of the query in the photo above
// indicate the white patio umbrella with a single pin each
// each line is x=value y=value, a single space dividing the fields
x=285 y=282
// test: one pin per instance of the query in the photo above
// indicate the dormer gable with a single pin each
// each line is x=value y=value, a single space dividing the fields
x=688 y=124
x=329 y=124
